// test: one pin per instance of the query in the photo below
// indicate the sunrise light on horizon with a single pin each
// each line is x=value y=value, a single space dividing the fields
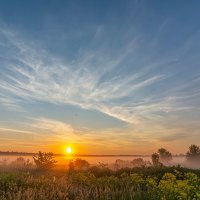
x=68 y=150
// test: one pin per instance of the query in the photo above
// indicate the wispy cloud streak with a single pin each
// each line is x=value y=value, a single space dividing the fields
x=31 y=74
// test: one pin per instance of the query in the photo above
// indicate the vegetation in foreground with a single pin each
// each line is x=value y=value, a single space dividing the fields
x=84 y=185
x=24 y=181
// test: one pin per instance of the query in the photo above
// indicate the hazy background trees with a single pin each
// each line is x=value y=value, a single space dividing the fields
x=44 y=161
x=164 y=155
x=155 y=160
x=78 y=164
x=193 y=155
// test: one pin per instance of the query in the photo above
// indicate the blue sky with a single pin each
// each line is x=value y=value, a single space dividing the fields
x=99 y=75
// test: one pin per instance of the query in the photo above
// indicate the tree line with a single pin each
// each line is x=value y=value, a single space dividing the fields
x=47 y=161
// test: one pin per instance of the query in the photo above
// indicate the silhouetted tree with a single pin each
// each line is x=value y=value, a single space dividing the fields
x=103 y=165
x=44 y=161
x=165 y=156
x=71 y=165
x=193 y=154
x=155 y=160
x=79 y=164
x=139 y=162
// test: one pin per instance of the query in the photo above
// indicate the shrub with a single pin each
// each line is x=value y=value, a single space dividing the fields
x=78 y=164
x=44 y=161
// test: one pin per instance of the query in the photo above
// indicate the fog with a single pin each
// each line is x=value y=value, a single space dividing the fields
x=112 y=162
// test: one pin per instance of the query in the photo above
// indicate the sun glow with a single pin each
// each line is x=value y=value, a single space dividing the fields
x=68 y=150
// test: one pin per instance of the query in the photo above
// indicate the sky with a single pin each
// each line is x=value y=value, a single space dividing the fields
x=105 y=77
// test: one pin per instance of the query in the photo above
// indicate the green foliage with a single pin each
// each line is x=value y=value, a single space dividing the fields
x=44 y=161
x=174 y=189
x=99 y=171
x=85 y=182
x=84 y=185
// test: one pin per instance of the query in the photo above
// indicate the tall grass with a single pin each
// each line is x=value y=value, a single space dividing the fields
x=79 y=185
x=21 y=180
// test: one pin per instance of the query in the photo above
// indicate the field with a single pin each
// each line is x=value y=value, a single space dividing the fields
x=26 y=182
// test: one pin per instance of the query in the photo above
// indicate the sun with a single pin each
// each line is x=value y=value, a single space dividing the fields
x=68 y=150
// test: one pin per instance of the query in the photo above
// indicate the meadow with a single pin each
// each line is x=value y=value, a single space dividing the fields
x=23 y=180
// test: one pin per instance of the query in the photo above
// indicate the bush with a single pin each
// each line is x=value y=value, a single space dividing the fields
x=85 y=186
x=44 y=161
x=78 y=164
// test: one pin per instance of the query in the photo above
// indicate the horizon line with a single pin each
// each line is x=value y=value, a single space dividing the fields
x=82 y=155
